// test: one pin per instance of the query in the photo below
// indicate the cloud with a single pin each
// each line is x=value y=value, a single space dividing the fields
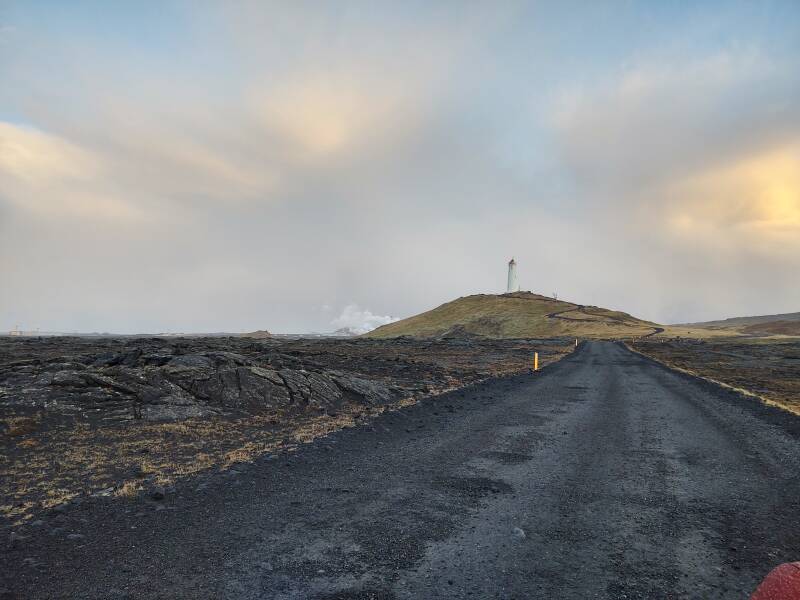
x=46 y=174
x=325 y=114
x=704 y=150
x=662 y=120
x=359 y=321
x=36 y=157
x=694 y=163
x=237 y=165
x=752 y=203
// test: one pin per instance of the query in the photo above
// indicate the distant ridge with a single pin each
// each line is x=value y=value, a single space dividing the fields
x=517 y=315
x=259 y=334
x=781 y=324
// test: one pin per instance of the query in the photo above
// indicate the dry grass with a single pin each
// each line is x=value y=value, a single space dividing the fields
x=82 y=460
x=19 y=426
x=697 y=333
x=129 y=489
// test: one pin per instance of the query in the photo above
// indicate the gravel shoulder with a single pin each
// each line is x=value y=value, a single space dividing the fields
x=606 y=475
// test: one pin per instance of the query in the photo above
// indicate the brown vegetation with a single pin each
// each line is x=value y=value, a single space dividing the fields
x=774 y=328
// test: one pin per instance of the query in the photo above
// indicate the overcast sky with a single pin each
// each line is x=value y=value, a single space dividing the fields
x=293 y=166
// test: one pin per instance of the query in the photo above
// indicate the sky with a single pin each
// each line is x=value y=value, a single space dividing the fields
x=304 y=166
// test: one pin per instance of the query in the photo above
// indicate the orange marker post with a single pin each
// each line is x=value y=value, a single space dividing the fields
x=535 y=361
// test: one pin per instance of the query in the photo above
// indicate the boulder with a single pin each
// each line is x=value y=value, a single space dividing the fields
x=323 y=391
x=297 y=384
x=156 y=360
x=228 y=360
x=363 y=390
x=190 y=361
x=108 y=359
x=248 y=388
x=131 y=357
x=68 y=379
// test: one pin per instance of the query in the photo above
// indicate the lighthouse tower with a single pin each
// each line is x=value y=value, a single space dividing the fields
x=513 y=285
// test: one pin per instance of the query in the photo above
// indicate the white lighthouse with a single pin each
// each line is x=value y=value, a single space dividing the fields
x=513 y=285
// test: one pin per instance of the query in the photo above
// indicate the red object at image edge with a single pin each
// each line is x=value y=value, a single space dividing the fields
x=782 y=583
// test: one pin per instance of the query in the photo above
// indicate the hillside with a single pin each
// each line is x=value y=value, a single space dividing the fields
x=517 y=315
x=783 y=324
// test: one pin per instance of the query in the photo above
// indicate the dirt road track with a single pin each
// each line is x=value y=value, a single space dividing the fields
x=583 y=310
x=604 y=476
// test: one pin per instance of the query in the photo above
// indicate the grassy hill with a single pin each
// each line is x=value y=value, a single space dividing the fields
x=517 y=315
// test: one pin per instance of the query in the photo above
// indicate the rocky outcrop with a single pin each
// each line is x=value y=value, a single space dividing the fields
x=163 y=384
x=244 y=388
x=364 y=390
x=175 y=378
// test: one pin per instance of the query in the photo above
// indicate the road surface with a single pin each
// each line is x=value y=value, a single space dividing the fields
x=604 y=476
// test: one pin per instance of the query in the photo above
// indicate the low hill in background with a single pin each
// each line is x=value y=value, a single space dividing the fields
x=784 y=324
x=517 y=315
x=261 y=334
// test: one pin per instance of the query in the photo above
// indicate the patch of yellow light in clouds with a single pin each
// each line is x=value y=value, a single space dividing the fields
x=36 y=157
x=48 y=175
x=324 y=115
x=755 y=200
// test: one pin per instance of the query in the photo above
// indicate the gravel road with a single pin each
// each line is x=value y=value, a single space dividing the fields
x=604 y=476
